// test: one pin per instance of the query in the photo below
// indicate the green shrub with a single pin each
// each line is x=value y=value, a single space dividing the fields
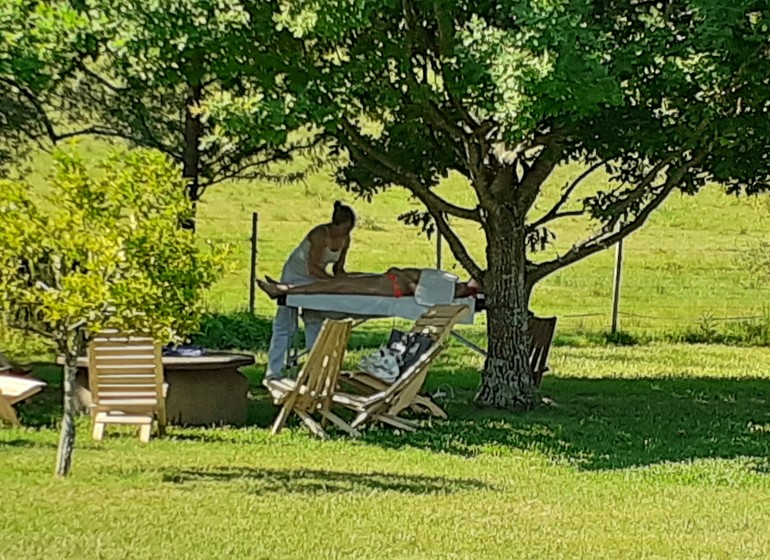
x=239 y=330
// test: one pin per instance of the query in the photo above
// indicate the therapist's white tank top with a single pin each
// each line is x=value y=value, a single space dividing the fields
x=296 y=267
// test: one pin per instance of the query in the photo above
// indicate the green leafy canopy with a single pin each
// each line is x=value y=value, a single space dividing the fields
x=661 y=95
x=105 y=249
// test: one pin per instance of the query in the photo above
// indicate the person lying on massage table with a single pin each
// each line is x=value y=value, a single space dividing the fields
x=396 y=282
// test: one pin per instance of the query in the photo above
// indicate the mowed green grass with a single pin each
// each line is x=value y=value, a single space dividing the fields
x=646 y=452
x=656 y=451
x=687 y=263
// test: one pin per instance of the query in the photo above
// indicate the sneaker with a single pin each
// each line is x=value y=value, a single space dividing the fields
x=271 y=377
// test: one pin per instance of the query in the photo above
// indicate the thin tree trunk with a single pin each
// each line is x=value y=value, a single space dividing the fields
x=193 y=130
x=507 y=378
x=67 y=434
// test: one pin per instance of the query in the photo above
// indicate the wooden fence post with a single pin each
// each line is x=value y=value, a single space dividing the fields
x=616 y=290
x=253 y=275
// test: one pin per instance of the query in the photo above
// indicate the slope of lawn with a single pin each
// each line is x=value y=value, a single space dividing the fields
x=690 y=263
x=647 y=452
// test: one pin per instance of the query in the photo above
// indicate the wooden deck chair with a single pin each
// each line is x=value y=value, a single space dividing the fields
x=386 y=405
x=311 y=392
x=13 y=390
x=437 y=323
x=541 y=331
x=125 y=375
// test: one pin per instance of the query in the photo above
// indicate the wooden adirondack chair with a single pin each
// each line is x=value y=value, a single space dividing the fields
x=386 y=405
x=541 y=332
x=316 y=383
x=126 y=379
x=13 y=390
x=437 y=323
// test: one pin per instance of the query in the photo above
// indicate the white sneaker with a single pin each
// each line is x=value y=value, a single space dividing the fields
x=271 y=377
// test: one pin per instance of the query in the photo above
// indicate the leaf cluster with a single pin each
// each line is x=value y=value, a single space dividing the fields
x=106 y=249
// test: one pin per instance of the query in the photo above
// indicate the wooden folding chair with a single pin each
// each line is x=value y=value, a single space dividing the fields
x=316 y=383
x=541 y=331
x=13 y=390
x=386 y=405
x=437 y=323
x=126 y=379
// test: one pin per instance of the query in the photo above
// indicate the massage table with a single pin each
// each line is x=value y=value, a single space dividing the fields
x=363 y=308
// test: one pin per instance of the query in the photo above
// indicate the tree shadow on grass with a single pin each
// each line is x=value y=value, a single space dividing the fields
x=19 y=443
x=594 y=423
x=315 y=481
x=598 y=424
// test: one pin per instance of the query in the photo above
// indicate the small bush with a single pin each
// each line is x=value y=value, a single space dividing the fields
x=755 y=332
x=239 y=330
x=583 y=339
x=21 y=348
x=620 y=338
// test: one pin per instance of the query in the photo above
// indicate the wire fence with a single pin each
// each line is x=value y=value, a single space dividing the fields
x=690 y=319
x=669 y=286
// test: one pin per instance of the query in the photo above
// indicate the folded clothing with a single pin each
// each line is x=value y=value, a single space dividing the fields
x=184 y=351
x=408 y=347
x=401 y=352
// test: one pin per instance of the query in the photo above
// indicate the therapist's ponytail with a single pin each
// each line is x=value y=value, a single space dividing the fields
x=343 y=215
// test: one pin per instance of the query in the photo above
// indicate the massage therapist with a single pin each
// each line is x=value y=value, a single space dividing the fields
x=324 y=245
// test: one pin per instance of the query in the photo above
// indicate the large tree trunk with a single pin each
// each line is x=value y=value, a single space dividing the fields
x=67 y=434
x=507 y=379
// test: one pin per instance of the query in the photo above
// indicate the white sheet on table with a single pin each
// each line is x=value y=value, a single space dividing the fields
x=371 y=306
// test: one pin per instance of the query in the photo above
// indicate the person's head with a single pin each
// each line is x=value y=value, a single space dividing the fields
x=343 y=217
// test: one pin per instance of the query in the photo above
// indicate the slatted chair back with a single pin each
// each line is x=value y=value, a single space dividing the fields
x=315 y=387
x=318 y=378
x=438 y=321
x=541 y=332
x=126 y=381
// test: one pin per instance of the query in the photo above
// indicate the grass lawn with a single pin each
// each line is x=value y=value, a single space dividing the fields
x=689 y=263
x=658 y=451
x=654 y=451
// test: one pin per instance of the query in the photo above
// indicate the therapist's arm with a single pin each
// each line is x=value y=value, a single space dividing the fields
x=339 y=266
x=315 y=264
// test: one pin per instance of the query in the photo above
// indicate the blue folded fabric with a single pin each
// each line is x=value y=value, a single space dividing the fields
x=184 y=351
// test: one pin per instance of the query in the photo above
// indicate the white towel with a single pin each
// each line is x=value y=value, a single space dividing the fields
x=435 y=287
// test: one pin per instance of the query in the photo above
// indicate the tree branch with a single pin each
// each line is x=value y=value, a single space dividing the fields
x=37 y=105
x=444 y=45
x=437 y=116
x=554 y=213
x=101 y=79
x=456 y=245
x=233 y=170
x=95 y=130
x=432 y=112
x=638 y=191
x=30 y=328
x=380 y=163
x=602 y=241
x=539 y=171
x=433 y=204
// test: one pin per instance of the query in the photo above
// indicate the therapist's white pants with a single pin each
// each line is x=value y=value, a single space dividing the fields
x=284 y=326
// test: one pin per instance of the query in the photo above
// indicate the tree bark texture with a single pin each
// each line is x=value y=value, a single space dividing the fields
x=506 y=382
x=67 y=434
x=193 y=130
